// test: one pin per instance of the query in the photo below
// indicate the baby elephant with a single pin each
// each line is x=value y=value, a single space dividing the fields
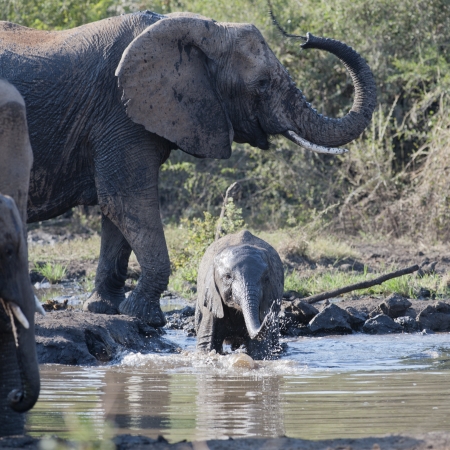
x=240 y=286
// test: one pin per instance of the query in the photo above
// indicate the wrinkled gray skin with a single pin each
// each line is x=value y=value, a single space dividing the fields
x=240 y=286
x=108 y=101
x=19 y=373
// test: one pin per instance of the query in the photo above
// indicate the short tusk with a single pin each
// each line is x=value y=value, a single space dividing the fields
x=20 y=316
x=39 y=308
x=296 y=139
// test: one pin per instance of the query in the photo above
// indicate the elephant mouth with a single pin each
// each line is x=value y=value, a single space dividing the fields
x=254 y=135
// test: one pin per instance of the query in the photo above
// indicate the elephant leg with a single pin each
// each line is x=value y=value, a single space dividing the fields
x=111 y=271
x=148 y=243
x=209 y=334
x=11 y=422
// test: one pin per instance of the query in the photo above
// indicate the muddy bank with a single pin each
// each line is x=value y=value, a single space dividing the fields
x=75 y=337
x=436 y=440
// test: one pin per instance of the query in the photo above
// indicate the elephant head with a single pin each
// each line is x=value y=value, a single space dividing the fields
x=244 y=281
x=17 y=307
x=202 y=84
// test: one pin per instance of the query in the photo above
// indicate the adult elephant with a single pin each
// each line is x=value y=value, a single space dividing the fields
x=19 y=372
x=108 y=101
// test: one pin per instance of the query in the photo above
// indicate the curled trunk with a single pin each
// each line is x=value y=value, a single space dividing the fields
x=329 y=132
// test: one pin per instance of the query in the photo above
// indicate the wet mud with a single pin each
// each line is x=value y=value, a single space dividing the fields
x=435 y=440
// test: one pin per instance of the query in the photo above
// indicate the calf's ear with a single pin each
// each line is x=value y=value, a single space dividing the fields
x=213 y=300
x=168 y=88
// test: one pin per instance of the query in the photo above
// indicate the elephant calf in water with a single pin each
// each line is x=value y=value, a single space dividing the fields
x=240 y=286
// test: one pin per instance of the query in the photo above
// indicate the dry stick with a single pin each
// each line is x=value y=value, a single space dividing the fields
x=224 y=207
x=363 y=285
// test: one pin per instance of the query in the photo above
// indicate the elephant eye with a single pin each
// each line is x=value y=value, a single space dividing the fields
x=263 y=84
x=9 y=252
x=227 y=277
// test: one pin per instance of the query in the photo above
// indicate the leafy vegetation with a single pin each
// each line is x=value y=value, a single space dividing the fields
x=53 y=272
x=200 y=234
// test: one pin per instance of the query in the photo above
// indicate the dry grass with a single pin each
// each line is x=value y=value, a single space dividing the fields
x=66 y=251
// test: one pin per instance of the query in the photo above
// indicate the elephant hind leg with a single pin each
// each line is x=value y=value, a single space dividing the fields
x=111 y=272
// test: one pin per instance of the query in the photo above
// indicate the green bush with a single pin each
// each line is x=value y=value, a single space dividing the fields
x=200 y=235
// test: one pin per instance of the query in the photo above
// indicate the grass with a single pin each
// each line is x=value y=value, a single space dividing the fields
x=66 y=251
x=407 y=285
x=52 y=272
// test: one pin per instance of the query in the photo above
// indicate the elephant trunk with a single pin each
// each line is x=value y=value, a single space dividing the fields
x=24 y=398
x=330 y=132
x=250 y=308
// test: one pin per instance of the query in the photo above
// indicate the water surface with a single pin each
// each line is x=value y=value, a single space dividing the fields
x=331 y=387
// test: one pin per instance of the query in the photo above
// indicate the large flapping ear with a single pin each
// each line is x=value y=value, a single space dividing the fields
x=213 y=300
x=167 y=86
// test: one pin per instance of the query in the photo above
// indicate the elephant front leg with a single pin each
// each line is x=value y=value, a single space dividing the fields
x=111 y=271
x=146 y=237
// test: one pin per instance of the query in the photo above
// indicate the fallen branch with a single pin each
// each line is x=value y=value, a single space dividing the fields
x=363 y=285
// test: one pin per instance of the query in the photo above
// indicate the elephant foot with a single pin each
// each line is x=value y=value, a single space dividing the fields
x=100 y=305
x=146 y=310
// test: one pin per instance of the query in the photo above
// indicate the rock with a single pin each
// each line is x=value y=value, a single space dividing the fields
x=291 y=295
x=435 y=317
x=77 y=337
x=407 y=323
x=240 y=360
x=423 y=293
x=356 y=318
x=381 y=324
x=331 y=318
x=299 y=311
x=395 y=306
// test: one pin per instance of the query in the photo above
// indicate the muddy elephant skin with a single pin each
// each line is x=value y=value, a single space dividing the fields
x=19 y=373
x=240 y=286
x=108 y=101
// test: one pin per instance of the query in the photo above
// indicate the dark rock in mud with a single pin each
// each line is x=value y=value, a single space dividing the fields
x=182 y=319
x=76 y=337
x=296 y=312
x=408 y=323
x=395 y=306
x=435 y=317
x=356 y=318
x=331 y=319
x=381 y=324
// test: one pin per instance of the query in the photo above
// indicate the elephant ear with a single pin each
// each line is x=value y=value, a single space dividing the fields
x=167 y=86
x=213 y=300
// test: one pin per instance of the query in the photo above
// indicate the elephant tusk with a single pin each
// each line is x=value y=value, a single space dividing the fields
x=39 y=308
x=8 y=311
x=296 y=139
x=20 y=316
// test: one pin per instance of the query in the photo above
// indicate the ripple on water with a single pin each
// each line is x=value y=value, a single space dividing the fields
x=345 y=386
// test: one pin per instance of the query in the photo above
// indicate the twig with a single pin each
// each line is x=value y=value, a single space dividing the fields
x=233 y=187
x=363 y=285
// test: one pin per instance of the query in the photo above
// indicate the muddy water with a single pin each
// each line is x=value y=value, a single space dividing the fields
x=349 y=386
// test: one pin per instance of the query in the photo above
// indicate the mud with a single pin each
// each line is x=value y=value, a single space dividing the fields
x=436 y=440
x=75 y=337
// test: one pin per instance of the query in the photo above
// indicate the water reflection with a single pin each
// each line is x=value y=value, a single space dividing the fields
x=334 y=387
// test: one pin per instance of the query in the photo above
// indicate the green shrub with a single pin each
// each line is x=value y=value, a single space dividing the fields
x=52 y=272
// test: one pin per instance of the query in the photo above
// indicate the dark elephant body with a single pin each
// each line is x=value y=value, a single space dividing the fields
x=19 y=372
x=108 y=101
x=240 y=287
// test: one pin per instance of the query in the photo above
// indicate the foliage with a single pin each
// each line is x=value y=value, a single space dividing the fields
x=200 y=235
x=53 y=272
x=408 y=285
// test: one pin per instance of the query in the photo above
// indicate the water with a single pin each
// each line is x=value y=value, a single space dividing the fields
x=331 y=387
